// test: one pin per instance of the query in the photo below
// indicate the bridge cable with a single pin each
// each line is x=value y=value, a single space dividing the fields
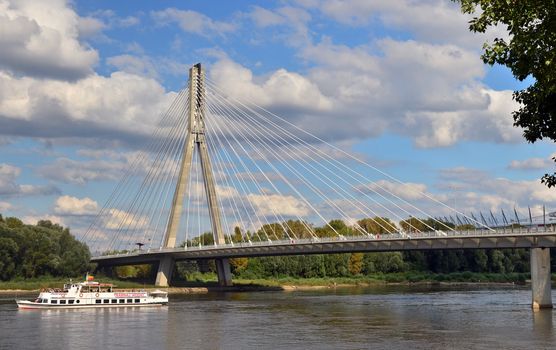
x=251 y=176
x=119 y=194
x=320 y=175
x=284 y=179
x=281 y=221
x=378 y=222
x=354 y=158
x=292 y=169
x=318 y=151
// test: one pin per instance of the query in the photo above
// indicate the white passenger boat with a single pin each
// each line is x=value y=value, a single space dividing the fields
x=91 y=294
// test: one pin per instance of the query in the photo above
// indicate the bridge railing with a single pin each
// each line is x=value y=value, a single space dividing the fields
x=384 y=237
x=377 y=237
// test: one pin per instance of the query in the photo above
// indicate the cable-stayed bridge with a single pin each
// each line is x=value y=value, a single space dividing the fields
x=224 y=177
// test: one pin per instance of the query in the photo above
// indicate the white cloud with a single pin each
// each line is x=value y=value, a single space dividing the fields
x=431 y=93
x=274 y=204
x=528 y=164
x=128 y=21
x=134 y=65
x=4 y=206
x=428 y=88
x=115 y=219
x=477 y=189
x=8 y=171
x=99 y=21
x=293 y=19
x=90 y=26
x=441 y=129
x=41 y=39
x=147 y=66
x=193 y=22
x=406 y=191
x=408 y=73
x=265 y=18
x=433 y=21
x=10 y=187
x=463 y=189
x=532 y=163
x=279 y=88
x=122 y=104
x=68 y=205
x=81 y=172
x=34 y=219
x=226 y=192
x=103 y=165
x=47 y=84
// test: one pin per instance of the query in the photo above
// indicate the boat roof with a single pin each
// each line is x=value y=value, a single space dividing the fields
x=96 y=284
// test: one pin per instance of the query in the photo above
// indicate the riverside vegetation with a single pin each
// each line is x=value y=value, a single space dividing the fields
x=47 y=253
x=44 y=249
x=491 y=265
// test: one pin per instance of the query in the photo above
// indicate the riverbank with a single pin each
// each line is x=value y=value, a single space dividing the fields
x=36 y=284
x=391 y=278
x=204 y=283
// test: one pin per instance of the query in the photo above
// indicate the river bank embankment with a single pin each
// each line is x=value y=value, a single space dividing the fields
x=207 y=283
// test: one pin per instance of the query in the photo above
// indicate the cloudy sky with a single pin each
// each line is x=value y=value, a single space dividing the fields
x=399 y=83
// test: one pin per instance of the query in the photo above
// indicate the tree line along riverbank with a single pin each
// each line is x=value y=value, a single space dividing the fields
x=44 y=249
x=33 y=256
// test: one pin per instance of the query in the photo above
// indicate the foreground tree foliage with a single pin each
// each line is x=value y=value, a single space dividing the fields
x=530 y=51
x=44 y=249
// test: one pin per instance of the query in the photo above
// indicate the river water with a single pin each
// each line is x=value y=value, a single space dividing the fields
x=386 y=317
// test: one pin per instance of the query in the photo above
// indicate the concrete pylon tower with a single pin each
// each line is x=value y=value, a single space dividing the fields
x=195 y=140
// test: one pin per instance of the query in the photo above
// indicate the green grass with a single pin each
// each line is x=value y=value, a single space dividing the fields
x=324 y=281
x=404 y=277
x=200 y=279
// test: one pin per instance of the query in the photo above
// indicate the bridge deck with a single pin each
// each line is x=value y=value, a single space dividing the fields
x=484 y=239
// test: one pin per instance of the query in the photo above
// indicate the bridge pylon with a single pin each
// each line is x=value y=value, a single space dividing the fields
x=195 y=141
x=541 y=281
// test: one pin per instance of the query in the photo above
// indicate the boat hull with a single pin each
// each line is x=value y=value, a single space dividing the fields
x=26 y=304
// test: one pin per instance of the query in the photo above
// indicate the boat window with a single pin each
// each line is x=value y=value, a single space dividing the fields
x=130 y=300
x=114 y=301
x=137 y=300
x=77 y=301
x=53 y=301
x=98 y=301
x=62 y=301
x=70 y=301
x=106 y=301
x=122 y=301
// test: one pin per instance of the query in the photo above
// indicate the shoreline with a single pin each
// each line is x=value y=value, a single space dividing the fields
x=289 y=287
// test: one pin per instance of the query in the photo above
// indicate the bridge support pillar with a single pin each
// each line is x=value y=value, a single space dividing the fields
x=164 y=274
x=540 y=278
x=224 y=273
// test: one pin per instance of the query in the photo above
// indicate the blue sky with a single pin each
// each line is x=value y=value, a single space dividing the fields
x=399 y=83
